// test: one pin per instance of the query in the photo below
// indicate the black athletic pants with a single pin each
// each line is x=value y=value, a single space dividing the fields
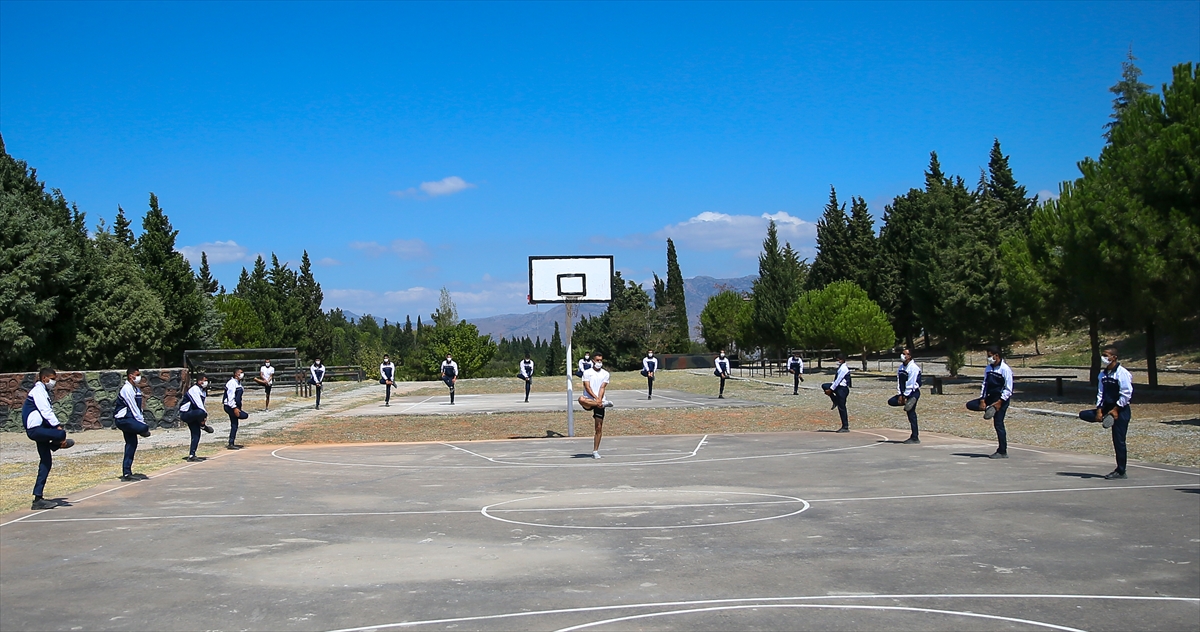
x=997 y=421
x=46 y=437
x=1119 y=430
x=912 y=414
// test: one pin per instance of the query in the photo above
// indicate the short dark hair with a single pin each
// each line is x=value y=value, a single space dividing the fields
x=994 y=350
x=235 y=371
x=131 y=371
x=903 y=349
x=47 y=372
x=598 y=354
x=841 y=356
x=1111 y=350
x=200 y=376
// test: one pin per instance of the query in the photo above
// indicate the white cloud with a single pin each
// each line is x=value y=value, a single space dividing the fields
x=1044 y=195
x=217 y=251
x=403 y=248
x=446 y=186
x=328 y=261
x=742 y=234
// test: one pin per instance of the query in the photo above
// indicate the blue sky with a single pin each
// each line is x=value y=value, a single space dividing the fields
x=413 y=146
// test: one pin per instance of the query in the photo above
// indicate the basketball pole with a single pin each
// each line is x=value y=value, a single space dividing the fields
x=570 y=383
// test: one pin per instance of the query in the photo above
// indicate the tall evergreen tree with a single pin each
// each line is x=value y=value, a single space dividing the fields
x=777 y=287
x=832 y=262
x=1015 y=206
x=681 y=340
x=555 y=357
x=121 y=229
x=205 y=279
x=897 y=261
x=316 y=337
x=125 y=319
x=1127 y=91
x=170 y=276
x=862 y=251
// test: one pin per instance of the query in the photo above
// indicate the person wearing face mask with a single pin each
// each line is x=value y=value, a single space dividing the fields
x=649 y=366
x=43 y=428
x=232 y=401
x=595 y=383
x=795 y=366
x=908 y=391
x=525 y=372
x=722 y=371
x=994 y=398
x=316 y=377
x=1113 y=394
x=193 y=413
x=387 y=377
x=585 y=363
x=266 y=377
x=449 y=373
x=128 y=418
x=839 y=390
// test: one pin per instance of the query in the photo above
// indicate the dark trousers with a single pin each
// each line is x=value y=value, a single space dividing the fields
x=318 y=399
x=195 y=420
x=997 y=421
x=131 y=428
x=47 y=439
x=838 y=398
x=649 y=386
x=233 y=419
x=1119 y=430
x=387 y=393
x=528 y=385
x=723 y=378
x=912 y=414
x=795 y=382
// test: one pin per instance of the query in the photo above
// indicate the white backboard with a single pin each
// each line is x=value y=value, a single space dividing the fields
x=577 y=279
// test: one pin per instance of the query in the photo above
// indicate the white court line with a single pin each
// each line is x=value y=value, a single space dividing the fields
x=674 y=399
x=503 y=463
x=1147 y=467
x=607 y=508
x=279 y=515
x=118 y=487
x=747 y=600
x=792 y=500
x=957 y=613
x=418 y=404
x=999 y=493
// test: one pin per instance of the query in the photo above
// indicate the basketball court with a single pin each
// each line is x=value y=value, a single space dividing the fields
x=810 y=530
x=467 y=404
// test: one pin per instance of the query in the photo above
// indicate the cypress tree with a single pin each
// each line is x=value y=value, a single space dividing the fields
x=125 y=318
x=681 y=340
x=555 y=356
x=832 y=262
x=170 y=276
x=1015 y=206
x=205 y=279
x=315 y=335
x=1128 y=90
x=121 y=229
x=777 y=287
x=862 y=251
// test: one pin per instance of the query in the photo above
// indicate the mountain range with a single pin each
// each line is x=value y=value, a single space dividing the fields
x=696 y=292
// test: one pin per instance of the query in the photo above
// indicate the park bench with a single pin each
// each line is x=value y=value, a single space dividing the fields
x=1058 y=380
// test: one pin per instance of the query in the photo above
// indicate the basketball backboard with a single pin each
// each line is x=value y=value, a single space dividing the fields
x=585 y=279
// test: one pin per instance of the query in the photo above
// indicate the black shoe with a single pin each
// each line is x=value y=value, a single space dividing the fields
x=720 y=397
x=911 y=440
x=1115 y=474
x=145 y=434
x=207 y=428
x=194 y=459
x=795 y=392
x=843 y=430
x=998 y=455
x=66 y=443
x=42 y=503
x=233 y=447
x=128 y=478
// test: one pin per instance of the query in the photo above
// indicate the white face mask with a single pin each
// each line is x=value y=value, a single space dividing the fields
x=136 y=378
x=202 y=384
x=1104 y=361
x=996 y=360
x=238 y=378
x=651 y=354
x=51 y=383
x=597 y=364
x=722 y=355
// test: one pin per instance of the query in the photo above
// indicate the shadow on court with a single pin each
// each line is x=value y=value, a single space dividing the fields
x=789 y=530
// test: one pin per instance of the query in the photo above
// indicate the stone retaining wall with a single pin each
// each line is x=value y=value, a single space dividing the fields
x=84 y=400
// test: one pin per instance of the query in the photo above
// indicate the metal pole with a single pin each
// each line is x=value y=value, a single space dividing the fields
x=570 y=383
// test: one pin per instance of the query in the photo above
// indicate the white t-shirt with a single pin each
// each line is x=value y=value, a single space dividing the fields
x=267 y=373
x=596 y=379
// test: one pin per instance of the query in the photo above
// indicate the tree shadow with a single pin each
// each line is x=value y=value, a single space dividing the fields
x=550 y=434
x=1183 y=422
x=1080 y=474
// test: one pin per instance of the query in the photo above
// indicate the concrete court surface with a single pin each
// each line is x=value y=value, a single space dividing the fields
x=800 y=530
x=469 y=404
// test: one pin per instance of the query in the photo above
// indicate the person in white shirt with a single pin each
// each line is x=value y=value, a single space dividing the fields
x=128 y=418
x=839 y=390
x=387 y=377
x=994 y=397
x=193 y=413
x=595 y=382
x=908 y=391
x=525 y=372
x=266 y=378
x=42 y=427
x=1114 y=391
x=649 y=366
x=316 y=377
x=232 y=402
x=449 y=375
x=795 y=366
x=585 y=363
x=722 y=371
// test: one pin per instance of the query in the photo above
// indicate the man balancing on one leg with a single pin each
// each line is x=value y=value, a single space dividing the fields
x=232 y=402
x=993 y=399
x=649 y=366
x=722 y=371
x=193 y=413
x=1113 y=394
x=449 y=374
x=595 y=382
x=908 y=391
x=525 y=372
x=128 y=418
x=839 y=390
x=387 y=377
x=795 y=366
x=42 y=426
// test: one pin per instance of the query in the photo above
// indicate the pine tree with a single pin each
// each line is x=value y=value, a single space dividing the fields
x=205 y=279
x=1015 y=207
x=125 y=318
x=315 y=336
x=1128 y=90
x=776 y=288
x=680 y=339
x=832 y=262
x=555 y=356
x=863 y=248
x=121 y=229
x=170 y=276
